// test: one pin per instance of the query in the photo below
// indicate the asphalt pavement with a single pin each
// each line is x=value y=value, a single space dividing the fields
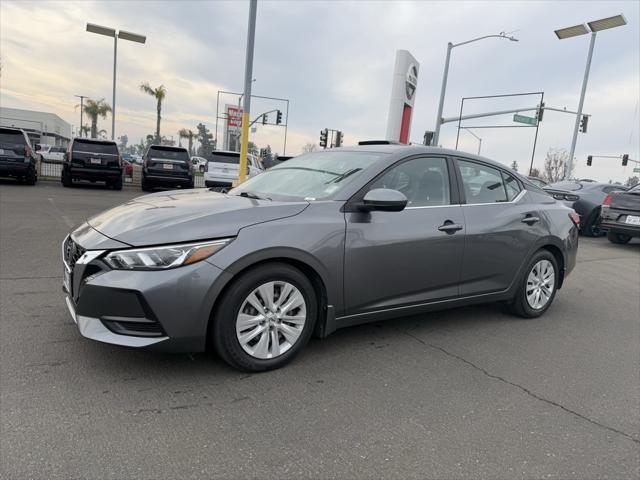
x=466 y=393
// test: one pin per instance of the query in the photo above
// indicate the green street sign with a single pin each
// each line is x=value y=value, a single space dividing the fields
x=636 y=170
x=523 y=119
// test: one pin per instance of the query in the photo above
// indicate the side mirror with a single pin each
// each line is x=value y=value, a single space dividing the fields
x=38 y=147
x=384 y=200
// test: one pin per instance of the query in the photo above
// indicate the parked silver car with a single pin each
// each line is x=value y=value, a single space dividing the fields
x=323 y=241
x=222 y=168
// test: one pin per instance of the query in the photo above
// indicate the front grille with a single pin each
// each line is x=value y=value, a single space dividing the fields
x=72 y=252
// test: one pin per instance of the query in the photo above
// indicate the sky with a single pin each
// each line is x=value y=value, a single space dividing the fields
x=334 y=61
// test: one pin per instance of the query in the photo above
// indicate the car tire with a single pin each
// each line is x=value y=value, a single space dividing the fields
x=117 y=185
x=591 y=226
x=190 y=185
x=67 y=181
x=31 y=178
x=226 y=333
x=618 y=238
x=201 y=168
x=145 y=185
x=536 y=273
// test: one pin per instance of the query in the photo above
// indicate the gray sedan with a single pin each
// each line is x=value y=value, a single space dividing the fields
x=323 y=241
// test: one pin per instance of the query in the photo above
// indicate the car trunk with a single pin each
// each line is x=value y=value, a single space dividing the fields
x=95 y=155
x=626 y=201
x=12 y=147
x=168 y=161
x=224 y=165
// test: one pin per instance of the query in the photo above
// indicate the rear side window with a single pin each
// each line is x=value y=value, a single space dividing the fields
x=221 y=158
x=484 y=184
x=511 y=186
x=109 y=148
x=11 y=136
x=168 y=153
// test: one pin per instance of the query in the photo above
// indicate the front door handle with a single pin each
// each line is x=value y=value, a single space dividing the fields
x=450 y=227
x=530 y=219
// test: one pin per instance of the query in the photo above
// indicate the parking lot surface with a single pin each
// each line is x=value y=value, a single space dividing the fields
x=467 y=393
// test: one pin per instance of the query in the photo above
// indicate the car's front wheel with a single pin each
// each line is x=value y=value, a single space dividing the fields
x=67 y=181
x=264 y=318
x=618 y=238
x=538 y=286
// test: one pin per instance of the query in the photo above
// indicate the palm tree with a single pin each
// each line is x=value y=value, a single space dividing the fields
x=94 y=110
x=159 y=94
x=189 y=134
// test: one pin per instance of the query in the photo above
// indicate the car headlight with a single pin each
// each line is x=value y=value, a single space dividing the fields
x=163 y=257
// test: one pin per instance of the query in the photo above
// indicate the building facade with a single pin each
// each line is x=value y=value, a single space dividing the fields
x=42 y=127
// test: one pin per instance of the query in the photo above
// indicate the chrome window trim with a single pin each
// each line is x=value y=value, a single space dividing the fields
x=515 y=200
x=434 y=206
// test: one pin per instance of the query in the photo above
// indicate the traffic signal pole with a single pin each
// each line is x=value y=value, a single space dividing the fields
x=248 y=74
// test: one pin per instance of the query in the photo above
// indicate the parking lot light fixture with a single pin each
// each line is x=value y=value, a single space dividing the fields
x=124 y=35
x=594 y=27
x=445 y=75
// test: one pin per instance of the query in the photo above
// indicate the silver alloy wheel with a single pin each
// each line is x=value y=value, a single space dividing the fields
x=540 y=284
x=271 y=320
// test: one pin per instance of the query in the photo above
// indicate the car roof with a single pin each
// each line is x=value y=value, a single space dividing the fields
x=167 y=147
x=93 y=140
x=12 y=129
x=401 y=150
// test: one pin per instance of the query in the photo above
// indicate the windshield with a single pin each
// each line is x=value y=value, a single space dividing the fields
x=314 y=176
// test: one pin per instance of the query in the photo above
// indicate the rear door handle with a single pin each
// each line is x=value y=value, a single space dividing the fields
x=450 y=227
x=530 y=219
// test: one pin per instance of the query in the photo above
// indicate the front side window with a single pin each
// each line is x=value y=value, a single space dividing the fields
x=483 y=184
x=424 y=181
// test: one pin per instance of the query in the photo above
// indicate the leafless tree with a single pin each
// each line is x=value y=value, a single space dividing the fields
x=556 y=164
x=514 y=166
x=309 y=147
x=535 y=172
x=632 y=181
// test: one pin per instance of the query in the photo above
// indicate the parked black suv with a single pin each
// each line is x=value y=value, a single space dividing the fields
x=93 y=160
x=17 y=158
x=167 y=167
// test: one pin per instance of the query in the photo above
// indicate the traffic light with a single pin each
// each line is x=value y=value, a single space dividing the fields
x=540 y=112
x=265 y=119
x=278 y=117
x=625 y=159
x=323 y=138
x=589 y=160
x=338 y=141
x=583 y=123
x=428 y=137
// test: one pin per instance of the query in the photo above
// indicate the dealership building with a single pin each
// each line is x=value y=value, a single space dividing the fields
x=42 y=127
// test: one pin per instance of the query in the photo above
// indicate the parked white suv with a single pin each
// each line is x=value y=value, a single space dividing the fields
x=222 y=168
x=199 y=163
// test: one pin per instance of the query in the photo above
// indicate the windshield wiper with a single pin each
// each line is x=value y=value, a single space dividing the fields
x=339 y=178
x=252 y=195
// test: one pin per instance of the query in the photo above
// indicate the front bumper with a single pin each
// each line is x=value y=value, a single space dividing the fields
x=165 y=310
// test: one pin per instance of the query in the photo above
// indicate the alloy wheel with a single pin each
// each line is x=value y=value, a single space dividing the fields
x=271 y=319
x=540 y=284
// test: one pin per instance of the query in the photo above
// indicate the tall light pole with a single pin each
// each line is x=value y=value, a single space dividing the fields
x=248 y=74
x=81 y=97
x=124 y=35
x=477 y=138
x=577 y=30
x=445 y=75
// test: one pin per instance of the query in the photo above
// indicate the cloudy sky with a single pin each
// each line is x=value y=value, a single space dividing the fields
x=334 y=60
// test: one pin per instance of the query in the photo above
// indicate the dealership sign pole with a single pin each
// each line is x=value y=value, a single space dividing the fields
x=248 y=75
x=403 y=94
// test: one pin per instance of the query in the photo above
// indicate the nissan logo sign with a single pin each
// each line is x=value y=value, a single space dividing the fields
x=411 y=81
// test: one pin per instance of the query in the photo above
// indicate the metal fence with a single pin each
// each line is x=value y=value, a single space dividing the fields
x=53 y=170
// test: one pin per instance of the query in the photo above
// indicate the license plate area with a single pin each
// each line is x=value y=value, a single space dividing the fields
x=1 y=151
x=167 y=166
x=95 y=161
x=632 y=220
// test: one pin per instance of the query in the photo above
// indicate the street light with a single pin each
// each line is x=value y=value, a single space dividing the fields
x=81 y=97
x=477 y=138
x=124 y=35
x=577 y=30
x=451 y=46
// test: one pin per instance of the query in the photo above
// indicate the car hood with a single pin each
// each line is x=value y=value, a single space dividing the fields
x=185 y=216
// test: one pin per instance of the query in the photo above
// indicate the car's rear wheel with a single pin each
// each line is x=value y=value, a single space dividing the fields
x=66 y=179
x=145 y=185
x=618 y=238
x=538 y=286
x=264 y=318
x=117 y=185
x=591 y=227
x=32 y=177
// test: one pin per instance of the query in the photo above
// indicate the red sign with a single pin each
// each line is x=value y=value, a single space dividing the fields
x=234 y=115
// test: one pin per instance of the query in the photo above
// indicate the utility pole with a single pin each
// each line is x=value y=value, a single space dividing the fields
x=248 y=73
x=581 y=103
x=81 y=97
